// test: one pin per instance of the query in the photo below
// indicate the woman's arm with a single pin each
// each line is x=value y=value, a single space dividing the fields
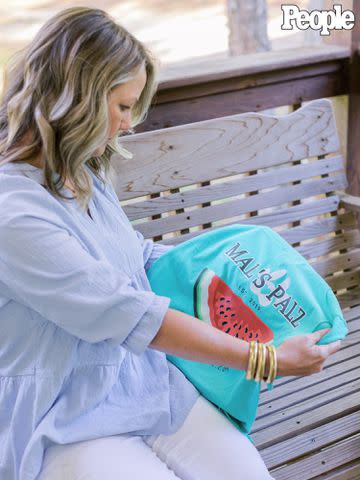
x=185 y=336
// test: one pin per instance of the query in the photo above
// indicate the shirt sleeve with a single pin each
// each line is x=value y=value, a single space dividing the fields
x=151 y=250
x=48 y=270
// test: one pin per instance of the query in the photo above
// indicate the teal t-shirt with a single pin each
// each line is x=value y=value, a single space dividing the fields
x=249 y=282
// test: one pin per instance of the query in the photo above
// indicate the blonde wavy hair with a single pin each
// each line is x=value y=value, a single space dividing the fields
x=56 y=91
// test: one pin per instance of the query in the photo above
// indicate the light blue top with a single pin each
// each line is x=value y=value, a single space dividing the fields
x=76 y=317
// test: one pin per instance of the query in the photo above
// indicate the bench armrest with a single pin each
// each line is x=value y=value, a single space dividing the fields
x=349 y=201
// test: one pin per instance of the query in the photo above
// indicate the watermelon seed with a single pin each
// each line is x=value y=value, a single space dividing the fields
x=221 y=312
x=236 y=335
x=224 y=323
x=233 y=314
x=222 y=298
x=250 y=335
x=235 y=324
x=256 y=336
x=228 y=330
x=228 y=301
x=225 y=316
x=246 y=330
x=239 y=327
x=228 y=308
x=221 y=306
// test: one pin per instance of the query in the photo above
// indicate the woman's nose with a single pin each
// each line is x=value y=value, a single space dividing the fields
x=125 y=123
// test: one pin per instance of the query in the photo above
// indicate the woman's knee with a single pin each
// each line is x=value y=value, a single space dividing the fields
x=108 y=458
x=208 y=446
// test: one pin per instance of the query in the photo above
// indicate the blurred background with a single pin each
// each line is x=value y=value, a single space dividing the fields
x=191 y=35
x=178 y=30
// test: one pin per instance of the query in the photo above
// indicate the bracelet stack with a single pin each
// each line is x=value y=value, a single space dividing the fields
x=257 y=362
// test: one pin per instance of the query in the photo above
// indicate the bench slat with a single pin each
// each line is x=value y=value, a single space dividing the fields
x=324 y=247
x=343 y=400
x=310 y=441
x=336 y=264
x=347 y=472
x=348 y=279
x=333 y=387
x=291 y=235
x=212 y=149
x=320 y=227
x=218 y=191
x=349 y=298
x=322 y=462
x=237 y=207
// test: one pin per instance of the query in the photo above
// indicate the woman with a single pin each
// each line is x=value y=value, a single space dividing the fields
x=87 y=391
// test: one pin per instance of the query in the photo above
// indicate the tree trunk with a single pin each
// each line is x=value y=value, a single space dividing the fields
x=247 y=21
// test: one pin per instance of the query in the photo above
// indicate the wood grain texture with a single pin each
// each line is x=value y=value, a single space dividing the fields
x=321 y=462
x=240 y=206
x=228 y=188
x=201 y=71
x=185 y=155
x=350 y=471
x=311 y=441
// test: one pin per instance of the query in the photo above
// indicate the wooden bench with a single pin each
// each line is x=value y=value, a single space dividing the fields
x=284 y=172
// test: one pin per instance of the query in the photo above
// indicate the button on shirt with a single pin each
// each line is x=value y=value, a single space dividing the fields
x=76 y=317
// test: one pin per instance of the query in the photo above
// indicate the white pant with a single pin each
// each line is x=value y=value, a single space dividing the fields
x=206 y=447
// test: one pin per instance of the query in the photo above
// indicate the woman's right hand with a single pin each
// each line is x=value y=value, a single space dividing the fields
x=300 y=356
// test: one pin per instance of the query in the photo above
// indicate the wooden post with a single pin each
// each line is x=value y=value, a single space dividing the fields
x=353 y=157
x=247 y=26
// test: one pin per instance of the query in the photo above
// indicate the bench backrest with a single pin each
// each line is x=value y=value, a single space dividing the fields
x=279 y=171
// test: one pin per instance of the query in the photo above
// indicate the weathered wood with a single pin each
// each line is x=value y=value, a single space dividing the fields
x=223 y=147
x=337 y=264
x=252 y=99
x=309 y=414
x=351 y=471
x=325 y=247
x=348 y=279
x=321 y=462
x=290 y=76
x=317 y=228
x=235 y=208
x=310 y=441
x=246 y=81
x=349 y=298
x=309 y=411
x=204 y=71
x=230 y=188
x=296 y=385
x=337 y=376
x=350 y=202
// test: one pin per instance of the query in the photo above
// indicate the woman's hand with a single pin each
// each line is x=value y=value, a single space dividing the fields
x=300 y=356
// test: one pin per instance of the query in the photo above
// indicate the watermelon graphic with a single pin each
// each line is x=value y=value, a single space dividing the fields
x=218 y=305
